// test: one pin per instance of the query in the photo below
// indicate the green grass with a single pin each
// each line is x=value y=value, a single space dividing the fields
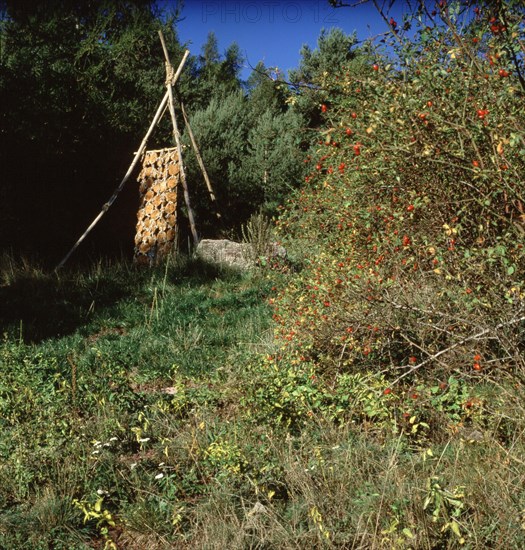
x=136 y=409
x=90 y=357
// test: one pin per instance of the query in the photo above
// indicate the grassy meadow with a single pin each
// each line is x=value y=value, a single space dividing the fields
x=138 y=411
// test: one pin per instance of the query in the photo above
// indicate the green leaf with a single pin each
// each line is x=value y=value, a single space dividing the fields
x=98 y=505
x=455 y=528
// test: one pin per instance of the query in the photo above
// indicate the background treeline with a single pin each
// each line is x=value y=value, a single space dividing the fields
x=79 y=83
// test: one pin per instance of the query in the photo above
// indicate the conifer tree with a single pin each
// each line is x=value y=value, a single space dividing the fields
x=80 y=82
x=335 y=53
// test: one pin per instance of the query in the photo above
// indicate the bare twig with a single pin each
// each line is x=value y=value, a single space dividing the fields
x=459 y=41
x=387 y=22
x=476 y=336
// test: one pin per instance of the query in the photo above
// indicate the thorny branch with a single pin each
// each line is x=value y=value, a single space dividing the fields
x=476 y=336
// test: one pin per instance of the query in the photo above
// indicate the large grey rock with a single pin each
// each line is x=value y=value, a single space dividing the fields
x=232 y=254
x=225 y=252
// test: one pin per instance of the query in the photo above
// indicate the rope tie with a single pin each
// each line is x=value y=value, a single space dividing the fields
x=170 y=74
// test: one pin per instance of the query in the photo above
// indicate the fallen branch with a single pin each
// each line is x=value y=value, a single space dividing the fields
x=476 y=336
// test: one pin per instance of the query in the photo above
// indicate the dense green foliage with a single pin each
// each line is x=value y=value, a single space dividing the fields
x=335 y=54
x=251 y=152
x=414 y=208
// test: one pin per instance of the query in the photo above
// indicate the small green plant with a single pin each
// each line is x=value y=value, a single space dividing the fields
x=449 y=397
x=396 y=535
x=258 y=233
x=94 y=511
x=447 y=506
x=225 y=457
x=317 y=519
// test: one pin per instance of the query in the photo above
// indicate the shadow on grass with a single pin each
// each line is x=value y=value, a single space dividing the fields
x=36 y=308
x=35 y=305
x=195 y=272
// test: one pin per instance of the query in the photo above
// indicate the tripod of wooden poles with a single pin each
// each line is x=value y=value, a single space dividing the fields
x=166 y=103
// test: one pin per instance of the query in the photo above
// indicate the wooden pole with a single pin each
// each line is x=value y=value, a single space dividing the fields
x=176 y=136
x=200 y=161
x=138 y=154
x=191 y=216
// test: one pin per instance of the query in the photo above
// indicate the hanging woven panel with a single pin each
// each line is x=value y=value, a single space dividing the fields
x=157 y=215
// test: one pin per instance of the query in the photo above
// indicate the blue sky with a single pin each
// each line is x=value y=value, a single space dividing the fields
x=273 y=31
